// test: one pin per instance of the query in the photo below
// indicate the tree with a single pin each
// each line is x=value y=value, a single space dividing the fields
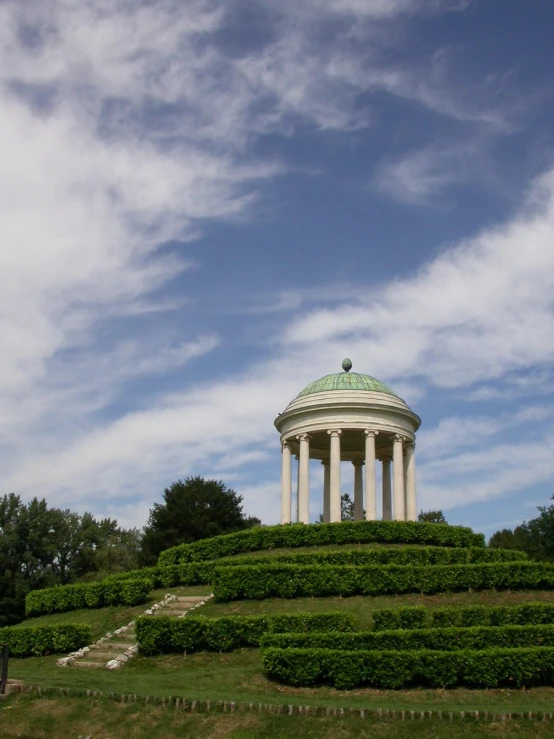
x=534 y=537
x=431 y=517
x=346 y=507
x=193 y=509
x=42 y=546
x=508 y=539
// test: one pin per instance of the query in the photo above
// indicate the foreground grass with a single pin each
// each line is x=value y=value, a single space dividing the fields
x=362 y=608
x=36 y=718
x=102 y=620
x=237 y=676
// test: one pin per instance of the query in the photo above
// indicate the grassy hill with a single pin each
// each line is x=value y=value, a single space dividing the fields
x=238 y=675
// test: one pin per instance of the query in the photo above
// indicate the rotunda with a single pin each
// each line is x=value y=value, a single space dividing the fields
x=354 y=418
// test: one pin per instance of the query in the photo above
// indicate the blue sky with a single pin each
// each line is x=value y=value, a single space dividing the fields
x=206 y=205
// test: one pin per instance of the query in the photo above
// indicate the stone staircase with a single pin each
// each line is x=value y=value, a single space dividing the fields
x=178 y=607
x=115 y=649
x=116 y=645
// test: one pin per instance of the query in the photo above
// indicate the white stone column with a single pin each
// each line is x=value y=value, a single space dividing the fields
x=304 y=479
x=326 y=491
x=411 y=503
x=334 y=476
x=297 y=487
x=387 y=503
x=398 y=478
x=358 y=491
x=286 y=483
x=370 y=501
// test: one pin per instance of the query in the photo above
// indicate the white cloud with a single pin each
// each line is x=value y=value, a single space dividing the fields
x=477 y=312
x=485 y=474
x=455 y=433
x=419 y=177
x=126 y=125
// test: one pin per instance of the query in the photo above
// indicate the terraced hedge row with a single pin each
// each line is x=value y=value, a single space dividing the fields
x=202 y=573
x=109 y=592
x=413 y=617
x=164 y=634
x=291 y=581
x=344 y=669
x=41 y=640
x=301 y=535
x=160 y=634
x=450 y=639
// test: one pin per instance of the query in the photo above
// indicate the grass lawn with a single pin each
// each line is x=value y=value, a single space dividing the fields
x=362 y=607
x=102 y=620
x=67 y=718
x=237 y=676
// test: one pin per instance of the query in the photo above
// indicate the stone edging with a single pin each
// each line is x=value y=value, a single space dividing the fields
x=125 y=656
x=209 y=706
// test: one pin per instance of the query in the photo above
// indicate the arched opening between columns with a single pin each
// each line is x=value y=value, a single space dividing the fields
x=397 y=493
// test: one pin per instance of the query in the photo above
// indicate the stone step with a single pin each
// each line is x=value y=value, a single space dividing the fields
x=88 y=663
x=189 y=598
x=168 y=611
x=127 y=636
x=102 y=656
x=115 y=646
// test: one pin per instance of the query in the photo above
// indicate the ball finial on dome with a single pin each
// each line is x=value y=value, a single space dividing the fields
x=347 y=364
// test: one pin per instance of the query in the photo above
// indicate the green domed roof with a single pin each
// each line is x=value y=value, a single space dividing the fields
x=346 y=381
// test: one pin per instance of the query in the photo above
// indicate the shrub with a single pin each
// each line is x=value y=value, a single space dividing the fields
x=447 y=616
x=450 y=639
x=40 y=640
x=289 y=581
x=410 y=617
x=202 y=573
x=488 y=668
x=527 y=613
x=109 y=592
x=165 y=634
x=301 y=535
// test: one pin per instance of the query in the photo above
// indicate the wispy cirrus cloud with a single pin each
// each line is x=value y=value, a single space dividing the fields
x=421 y=177
x=480 y=310
x=129 y=125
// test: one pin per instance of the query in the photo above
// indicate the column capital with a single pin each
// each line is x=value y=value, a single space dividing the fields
x=386 y=459
x=303 y=437
x=334 y=432
x=325 y=462
x=358 y=462
x=285 y=444
x=370 y=432
x=400 y=438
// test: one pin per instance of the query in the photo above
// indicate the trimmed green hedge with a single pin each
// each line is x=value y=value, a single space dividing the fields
x=446 y=640
x=160 y=634
x=302 y=535
x=39 y=640
x=109 y=592
x=408 y=617
x=202 y=573
x=488 y=668
x=412 y=617
x=290 y=581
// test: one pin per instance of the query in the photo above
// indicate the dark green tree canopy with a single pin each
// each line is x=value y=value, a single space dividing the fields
x=535 y=537
x=42 y=546
x=193 y=509
x=431 y=517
